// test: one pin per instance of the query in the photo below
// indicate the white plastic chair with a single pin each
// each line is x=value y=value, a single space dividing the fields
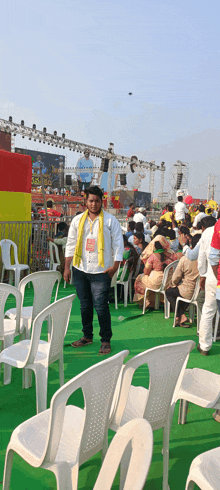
x=205 y=471
x=53 y=248
x=54 y=264
x=166 y=365
x=6 y=261
x=114 y=285
x=9 y=329
x=191 y=302
x=64 y=437
x=139 y=434
x=168 y=271
x=126 y=284
x=200 y=387
x=43 y=284
x=36 y=354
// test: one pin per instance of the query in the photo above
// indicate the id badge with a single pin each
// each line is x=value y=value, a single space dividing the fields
x=90 y=245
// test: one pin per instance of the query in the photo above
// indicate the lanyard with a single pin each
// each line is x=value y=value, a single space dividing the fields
x=91 y=224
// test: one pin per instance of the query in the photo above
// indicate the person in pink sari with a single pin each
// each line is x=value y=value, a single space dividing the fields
x=157 y=255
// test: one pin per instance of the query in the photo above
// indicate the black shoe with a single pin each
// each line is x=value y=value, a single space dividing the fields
x=203 y=352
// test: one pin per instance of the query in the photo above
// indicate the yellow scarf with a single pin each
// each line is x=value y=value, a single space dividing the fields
x=78 y=250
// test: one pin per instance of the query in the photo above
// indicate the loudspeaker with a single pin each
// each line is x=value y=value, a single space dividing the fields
x=68 y=180
x=104 y=164
x=123 y=179
x=178 y=181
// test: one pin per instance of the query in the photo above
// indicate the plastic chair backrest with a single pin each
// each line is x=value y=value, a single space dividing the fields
x=168 y=271
x=114 y=278
x=165 y=363
x=196 y=290
x=6 y=252
x=98 y=385
x=124 y=270
x=43 y=284
x=60 y=313
x=5 y=290
x=139 y=433
x=136 y=271
x=53 y=250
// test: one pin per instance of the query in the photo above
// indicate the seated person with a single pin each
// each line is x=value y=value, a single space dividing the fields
x=168 y=215
x=139 y=242
x=174 y=242
x=139 y=228
x=130 y=254
x=156 y=257
x=199 y=216
x=198 y=229
x=183 y=284
x=130 y=227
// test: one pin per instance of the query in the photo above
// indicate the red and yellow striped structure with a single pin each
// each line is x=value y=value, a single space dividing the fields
x=15 y=186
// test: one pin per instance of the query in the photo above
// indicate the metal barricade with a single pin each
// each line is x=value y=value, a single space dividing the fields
x=30 y=238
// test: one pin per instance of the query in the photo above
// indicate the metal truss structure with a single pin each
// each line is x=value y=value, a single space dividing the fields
x=126 y=163
x=179 y=178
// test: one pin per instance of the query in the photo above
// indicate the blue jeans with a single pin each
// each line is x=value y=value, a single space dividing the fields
x=93 y=291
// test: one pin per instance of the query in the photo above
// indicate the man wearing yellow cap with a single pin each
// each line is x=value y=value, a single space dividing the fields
x=94 y=242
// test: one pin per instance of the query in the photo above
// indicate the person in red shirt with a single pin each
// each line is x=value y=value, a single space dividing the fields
x=130 y=212
x=52 y=213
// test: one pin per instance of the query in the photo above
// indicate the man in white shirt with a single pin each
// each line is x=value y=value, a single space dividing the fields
x=140 y=216
x=94 y=237
x=180 y=209
x=208 y=282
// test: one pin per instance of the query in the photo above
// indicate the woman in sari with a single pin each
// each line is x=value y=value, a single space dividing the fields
x=157 y=255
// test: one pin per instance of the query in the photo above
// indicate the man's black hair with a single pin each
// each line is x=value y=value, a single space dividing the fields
x=199 y=225
x=139 y=227
x=184 y=229
x=201 y=208
x=95 y=190
x=49 y=204
x=195 y=240
x=171 y=234
x=131 y=204
x=208 y=221
x=170 y=208
x=180 y=198
x=62 y=225
x=132 y=225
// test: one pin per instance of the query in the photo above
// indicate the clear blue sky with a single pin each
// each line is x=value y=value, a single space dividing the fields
x=69 y=66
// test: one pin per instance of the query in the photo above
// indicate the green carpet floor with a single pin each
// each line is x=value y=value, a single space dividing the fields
x=135 y=333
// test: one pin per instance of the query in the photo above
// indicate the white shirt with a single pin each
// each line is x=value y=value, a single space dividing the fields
x=139 y=217
x=113 y=243
x=181 y=209
x=204 y=266
x=191 y=253
x=198 y=218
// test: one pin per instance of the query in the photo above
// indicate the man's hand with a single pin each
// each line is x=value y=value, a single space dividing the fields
x=111 y=271
x=202 y=283
x=215 y=270
x=67 y=271
x=49 y=239
x=67 y=275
